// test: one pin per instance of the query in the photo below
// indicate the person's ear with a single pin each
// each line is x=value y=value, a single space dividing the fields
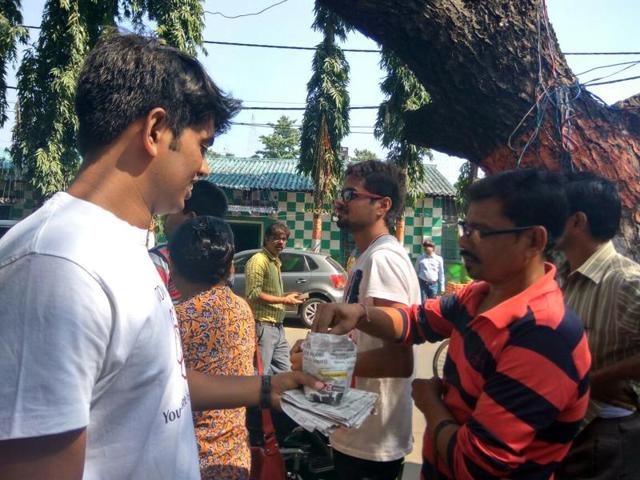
x=154 y=129
x=385 y=204
x=580 y=220
x=538 y=238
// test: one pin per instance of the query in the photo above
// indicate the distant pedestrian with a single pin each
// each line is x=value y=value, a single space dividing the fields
x=430 y=269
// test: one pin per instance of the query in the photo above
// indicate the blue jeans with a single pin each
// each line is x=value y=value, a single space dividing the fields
x=427 y=289
x=273 y=346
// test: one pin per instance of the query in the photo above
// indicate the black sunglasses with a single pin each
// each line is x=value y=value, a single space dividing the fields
x=348 y=194
x=464 y=229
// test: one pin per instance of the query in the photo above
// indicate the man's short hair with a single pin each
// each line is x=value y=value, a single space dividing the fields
x=126 y=76
x=275 y=228
x=528 y=197
x=428 y=243
x=598 y=198
x=384 y=179
x=206 y=199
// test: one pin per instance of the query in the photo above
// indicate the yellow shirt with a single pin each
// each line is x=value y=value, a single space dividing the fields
x=262 y=274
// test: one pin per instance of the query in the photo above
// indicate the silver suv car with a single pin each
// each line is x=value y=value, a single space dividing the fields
x=317 y=274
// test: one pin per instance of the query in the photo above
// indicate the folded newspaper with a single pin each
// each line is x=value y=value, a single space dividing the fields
x=355 y=406
x=332 y=359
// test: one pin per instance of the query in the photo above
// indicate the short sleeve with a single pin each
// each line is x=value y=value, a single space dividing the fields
x=55 y=322
x=386 y=279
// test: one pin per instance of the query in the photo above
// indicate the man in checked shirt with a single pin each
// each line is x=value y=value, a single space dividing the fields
x=515 y=385
x=603 y=287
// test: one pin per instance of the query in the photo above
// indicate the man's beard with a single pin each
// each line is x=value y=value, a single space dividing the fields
x=343 y=223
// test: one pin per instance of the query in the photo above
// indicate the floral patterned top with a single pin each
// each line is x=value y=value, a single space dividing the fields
x=218 y=337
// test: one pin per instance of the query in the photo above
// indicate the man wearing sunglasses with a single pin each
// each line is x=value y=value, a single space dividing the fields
x=382 y=274
x=515 y=385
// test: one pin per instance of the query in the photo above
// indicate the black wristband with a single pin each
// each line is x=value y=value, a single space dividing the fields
x=440 y=426
x=265 y=392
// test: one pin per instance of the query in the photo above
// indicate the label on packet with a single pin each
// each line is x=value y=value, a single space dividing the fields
x=331 y=358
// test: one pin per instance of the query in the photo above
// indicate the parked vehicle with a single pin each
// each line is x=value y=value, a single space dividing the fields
x=5 y=225
x=317 y=274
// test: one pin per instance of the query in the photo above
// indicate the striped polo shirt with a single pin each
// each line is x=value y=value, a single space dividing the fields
x=605 y=292
x=262 y=274
x=515 y=379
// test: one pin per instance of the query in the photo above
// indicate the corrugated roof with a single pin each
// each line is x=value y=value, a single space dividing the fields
x=280 y=174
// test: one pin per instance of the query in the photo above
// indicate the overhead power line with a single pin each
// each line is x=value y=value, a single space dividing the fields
x=613 y=81
x=369 y=107
x=284 y=47
x=357 y=50
x=246 y=14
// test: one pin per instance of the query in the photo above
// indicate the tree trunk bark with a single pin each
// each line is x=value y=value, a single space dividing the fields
x=316 y=232
x=498 y=83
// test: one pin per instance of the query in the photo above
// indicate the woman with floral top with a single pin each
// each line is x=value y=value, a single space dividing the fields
x=218 y=338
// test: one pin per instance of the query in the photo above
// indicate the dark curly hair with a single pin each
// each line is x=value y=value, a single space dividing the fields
x=384 y=179
x=201 y=250
x=126 y=75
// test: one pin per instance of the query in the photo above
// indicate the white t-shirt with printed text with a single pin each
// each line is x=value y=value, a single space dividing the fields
x=382 y=271
x=90 y=340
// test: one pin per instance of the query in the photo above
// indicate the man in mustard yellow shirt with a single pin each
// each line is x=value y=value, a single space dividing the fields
x=265 y=294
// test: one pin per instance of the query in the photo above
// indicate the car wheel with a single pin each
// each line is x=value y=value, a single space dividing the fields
x=308 y=310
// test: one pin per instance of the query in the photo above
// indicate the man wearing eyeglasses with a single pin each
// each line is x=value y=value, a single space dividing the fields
x=382 y=274
x=515 y=385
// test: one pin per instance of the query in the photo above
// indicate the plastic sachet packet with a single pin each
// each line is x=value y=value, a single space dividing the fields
x=331 y=358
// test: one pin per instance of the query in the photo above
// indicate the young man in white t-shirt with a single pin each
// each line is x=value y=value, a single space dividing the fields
x=93 y=380
x=382 y=274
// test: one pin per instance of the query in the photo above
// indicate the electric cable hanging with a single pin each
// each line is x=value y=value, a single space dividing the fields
x=357 y=50
x=246 y=14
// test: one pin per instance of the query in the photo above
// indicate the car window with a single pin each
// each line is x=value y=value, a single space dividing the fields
x=292 y=262
x=312 y=264
x=335 y=264
x=240 y=263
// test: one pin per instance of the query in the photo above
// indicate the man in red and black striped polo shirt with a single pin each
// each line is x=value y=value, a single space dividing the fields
x=515 y=384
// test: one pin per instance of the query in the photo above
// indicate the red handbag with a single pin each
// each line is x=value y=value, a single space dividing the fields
x=266 y=461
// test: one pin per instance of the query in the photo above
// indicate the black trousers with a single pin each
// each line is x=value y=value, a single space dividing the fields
x=352 y=468
x=605 y=449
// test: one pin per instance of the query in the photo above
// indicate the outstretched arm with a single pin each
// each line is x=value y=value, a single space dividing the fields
x=58 y=457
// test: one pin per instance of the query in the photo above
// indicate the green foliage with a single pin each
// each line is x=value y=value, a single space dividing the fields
x=403 y=93
x=326 y=118
x=284 y=142
x=364 y=155
x=44 y=136
x=180 y=22
x=11 y=33
x=468 y=175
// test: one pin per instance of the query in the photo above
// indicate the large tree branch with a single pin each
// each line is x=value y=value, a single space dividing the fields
x=485 y=65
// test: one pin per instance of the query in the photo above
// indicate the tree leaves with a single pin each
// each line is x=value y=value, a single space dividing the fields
x=44 y=137
x=284 y=142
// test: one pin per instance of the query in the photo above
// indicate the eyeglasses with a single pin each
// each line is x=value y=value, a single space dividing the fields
x=465 y=229
x=348 y=194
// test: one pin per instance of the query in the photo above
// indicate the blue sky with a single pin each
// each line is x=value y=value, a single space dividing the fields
x=270 y=77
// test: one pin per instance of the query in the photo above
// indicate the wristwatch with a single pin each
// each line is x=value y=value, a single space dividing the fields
x=265 y=391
